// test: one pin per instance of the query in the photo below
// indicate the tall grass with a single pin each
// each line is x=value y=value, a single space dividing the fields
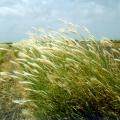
x=68 y=79
x=10 y=89
x=65 y=79
x=2 y=54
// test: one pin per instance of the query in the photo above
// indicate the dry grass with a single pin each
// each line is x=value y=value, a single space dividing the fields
x=10 y=89
x=61 y=78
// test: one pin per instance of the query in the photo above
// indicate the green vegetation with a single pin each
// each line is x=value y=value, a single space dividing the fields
x=9 y=88
x=2 y=53
x=57 y=78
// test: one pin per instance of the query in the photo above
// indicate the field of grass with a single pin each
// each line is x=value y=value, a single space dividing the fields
x=59 y=78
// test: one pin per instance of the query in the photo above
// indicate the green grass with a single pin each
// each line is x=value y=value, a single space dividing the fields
x=9 y=88
x=2 y=53
x=59 y=78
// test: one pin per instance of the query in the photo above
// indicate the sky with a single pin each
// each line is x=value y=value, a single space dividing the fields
x=17 y=17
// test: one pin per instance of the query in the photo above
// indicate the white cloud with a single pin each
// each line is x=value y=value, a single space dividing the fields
x=98 y=10
x=16 y=10
x=30 y=13
x=4 y=11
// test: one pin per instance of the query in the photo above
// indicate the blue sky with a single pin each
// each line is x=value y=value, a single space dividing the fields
x=101 y=17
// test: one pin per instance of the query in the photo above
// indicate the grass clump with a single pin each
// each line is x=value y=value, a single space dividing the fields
x=68 y=79
x=2 y=54
x=10 y=89
x=55 y=77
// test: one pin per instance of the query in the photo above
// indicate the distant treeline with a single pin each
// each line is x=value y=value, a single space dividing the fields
x=7 y=43
x=114 y=41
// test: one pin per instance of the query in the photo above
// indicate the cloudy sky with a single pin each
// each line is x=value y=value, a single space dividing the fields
x=101 y=17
